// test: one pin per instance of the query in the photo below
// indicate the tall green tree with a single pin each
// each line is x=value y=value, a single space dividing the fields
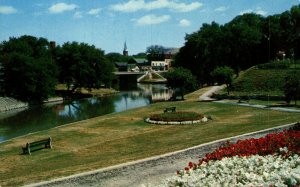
x=182 y=79
x=83 y=66
x=245 y=41
x=155 y=53
x=117 y=57
x=28 y=71
x=245 y=37
x=203 y=51
x=223 y=75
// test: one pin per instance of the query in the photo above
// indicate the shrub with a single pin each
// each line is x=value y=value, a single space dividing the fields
x=177 y=116
x=284 y=64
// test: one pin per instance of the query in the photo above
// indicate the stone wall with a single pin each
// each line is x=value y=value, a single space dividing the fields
x=7 y=103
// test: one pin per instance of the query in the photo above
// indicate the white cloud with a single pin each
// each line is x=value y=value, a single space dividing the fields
x=137 y=5
x=151 y=19
x=246 y=11
x=94 y=11
x=62 y=7
x=257 y=11
x=260 y=11
x=78 y=14
x=221 y=9
x=184 y=23
x=7 y=10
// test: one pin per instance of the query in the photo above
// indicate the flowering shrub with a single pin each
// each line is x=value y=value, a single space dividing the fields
x=254 y=170
x=269 y=144
x=269 y=161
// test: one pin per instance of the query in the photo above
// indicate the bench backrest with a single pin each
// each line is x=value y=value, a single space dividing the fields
x=40 y=142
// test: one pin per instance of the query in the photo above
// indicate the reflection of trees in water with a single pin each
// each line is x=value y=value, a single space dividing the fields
x=156 y=92
x=88 y=108
x=37 y=118
x=44 y=117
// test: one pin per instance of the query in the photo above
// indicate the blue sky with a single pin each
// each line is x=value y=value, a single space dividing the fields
x=107 y=24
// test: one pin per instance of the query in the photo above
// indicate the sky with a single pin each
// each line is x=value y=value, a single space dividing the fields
x=108 y=24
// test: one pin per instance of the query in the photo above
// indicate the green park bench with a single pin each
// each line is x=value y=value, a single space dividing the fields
x=170 y=109
x=46 y=143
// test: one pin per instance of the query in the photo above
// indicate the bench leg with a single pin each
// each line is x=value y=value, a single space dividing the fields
x=26 y=150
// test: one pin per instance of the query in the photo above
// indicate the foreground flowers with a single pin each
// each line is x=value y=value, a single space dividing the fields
x=269 y=161
x=242 y=171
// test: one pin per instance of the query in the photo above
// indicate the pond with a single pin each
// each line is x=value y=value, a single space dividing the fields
x=21 y=122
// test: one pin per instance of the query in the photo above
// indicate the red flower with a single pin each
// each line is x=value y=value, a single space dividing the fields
x=270 y=144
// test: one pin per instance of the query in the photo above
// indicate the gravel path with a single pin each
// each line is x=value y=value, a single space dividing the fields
x=151 y=171
x=282 y=109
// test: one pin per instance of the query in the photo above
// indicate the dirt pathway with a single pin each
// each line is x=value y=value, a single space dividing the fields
x=207 y=95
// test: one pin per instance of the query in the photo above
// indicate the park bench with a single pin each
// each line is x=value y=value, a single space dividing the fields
x=46 y=143
x=244 y=100
x=170 y=109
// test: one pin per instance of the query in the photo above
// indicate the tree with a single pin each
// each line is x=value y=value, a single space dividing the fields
x=245 y=37
x=223 y=75
x=155 y=53
x=117 y=57
x=28 y=72
x=83 y=66
x=182 y=79
x=292 y=87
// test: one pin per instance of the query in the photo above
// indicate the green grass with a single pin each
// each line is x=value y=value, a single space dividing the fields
x=122 y=137
x=261 y=82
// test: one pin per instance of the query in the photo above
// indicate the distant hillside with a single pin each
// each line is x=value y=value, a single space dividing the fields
x=259 y=80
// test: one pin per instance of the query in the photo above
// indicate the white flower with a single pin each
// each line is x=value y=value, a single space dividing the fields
x=242 y=171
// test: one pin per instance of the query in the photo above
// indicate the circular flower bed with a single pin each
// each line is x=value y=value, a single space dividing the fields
x=269 y=161
x=176 y=118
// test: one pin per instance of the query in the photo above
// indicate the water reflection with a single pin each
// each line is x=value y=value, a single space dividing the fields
x=18 y=123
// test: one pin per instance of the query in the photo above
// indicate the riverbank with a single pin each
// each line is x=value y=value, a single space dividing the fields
x=124 y=137
x=8 y=103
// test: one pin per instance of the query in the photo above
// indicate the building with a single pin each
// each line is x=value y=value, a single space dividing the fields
x=121 y=66
x=160 y=65
x=142 y=63
x=125 y=51
x=168 y=59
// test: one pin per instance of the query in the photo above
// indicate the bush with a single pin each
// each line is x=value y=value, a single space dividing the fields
x=177 y=116
x=283 y=64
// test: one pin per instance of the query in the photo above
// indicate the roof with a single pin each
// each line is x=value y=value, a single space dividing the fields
x=140 y=60
x=120 y=64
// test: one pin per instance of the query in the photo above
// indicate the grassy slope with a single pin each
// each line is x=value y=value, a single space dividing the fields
x=122 y=137
x=260 y=82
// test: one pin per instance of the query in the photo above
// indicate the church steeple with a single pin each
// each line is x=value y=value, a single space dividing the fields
x=125 y=51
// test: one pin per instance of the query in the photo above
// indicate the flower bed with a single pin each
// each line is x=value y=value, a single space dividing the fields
x=177 y=116
x=269 y=161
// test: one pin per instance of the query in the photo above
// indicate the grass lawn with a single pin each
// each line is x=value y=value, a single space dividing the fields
x=121 y=137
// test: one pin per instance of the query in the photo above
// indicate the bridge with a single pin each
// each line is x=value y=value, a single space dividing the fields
x=138 y=76
x=129 y=73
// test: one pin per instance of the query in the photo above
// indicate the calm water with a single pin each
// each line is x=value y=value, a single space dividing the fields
x=18 y=123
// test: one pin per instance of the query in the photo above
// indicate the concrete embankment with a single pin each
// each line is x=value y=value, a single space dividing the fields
x=7 y=104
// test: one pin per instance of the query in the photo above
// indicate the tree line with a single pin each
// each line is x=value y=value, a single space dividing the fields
x=245 y=41
x=31 y=67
